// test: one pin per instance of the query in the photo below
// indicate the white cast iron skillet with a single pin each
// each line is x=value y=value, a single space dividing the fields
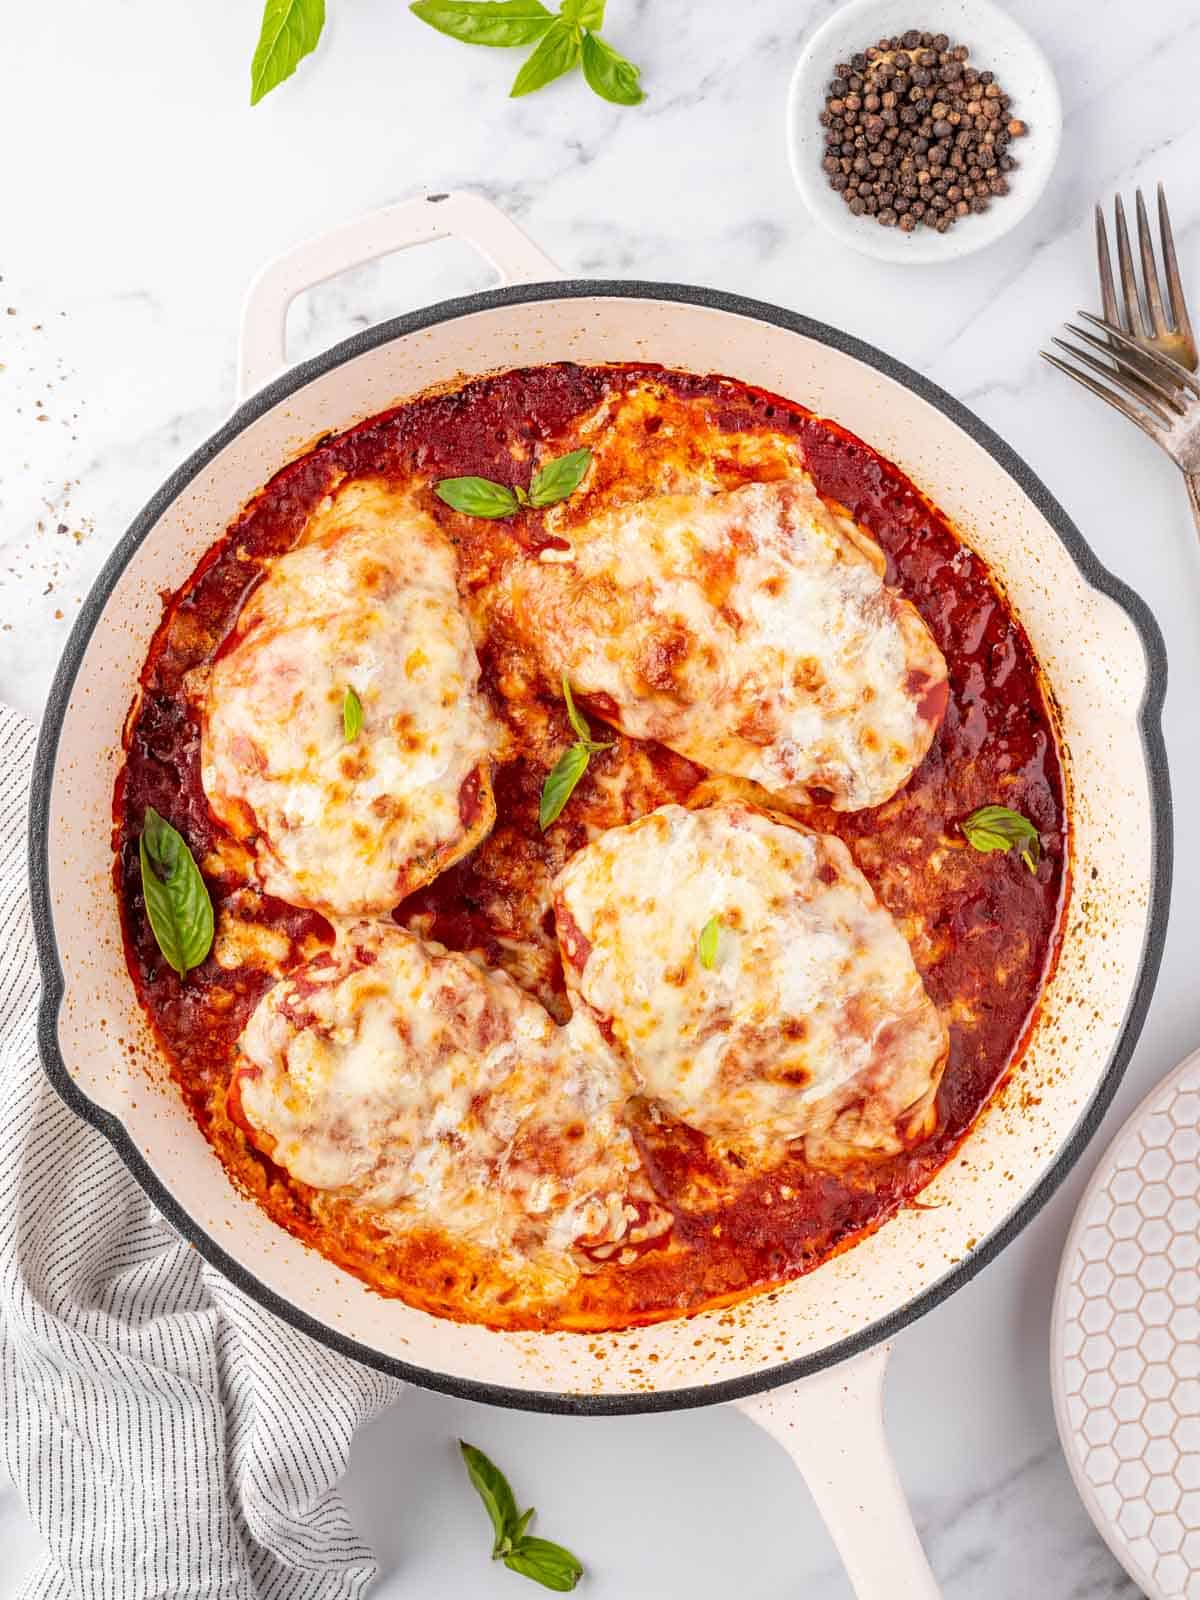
x=1103 y=657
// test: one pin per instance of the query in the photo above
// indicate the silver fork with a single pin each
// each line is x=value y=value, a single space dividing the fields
x=1146 y=361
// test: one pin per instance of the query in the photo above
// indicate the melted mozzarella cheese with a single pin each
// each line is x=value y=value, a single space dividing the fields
x=421 y=1086
x=812 y=1022
x=368 y=602
x=750 y=630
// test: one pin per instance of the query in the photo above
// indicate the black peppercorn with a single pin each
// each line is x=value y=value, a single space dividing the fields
x=913 y=136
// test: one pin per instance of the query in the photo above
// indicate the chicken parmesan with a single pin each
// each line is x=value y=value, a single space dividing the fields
x=343 y=731
x=572 y=1014
x=753 y=982
x=407 y=1080
x=749 y=629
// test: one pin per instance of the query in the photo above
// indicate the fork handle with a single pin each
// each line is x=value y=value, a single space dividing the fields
x=1192 y=479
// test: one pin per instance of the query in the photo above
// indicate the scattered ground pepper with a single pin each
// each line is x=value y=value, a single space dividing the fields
x=914 y=137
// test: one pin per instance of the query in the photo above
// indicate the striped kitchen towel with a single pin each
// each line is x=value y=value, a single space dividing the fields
x=169 y=1437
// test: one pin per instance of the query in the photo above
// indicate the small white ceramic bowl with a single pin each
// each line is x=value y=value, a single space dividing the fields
x=997 y=45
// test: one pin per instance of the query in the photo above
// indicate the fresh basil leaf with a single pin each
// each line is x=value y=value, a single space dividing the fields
x=546 y=1563
x=290 y=30
x=579 y=722
x=177 y=902
x=493 y=22
x=584 y=13
x=560 y=783
x=351 y=715
x=557 y=53
x=559 y=478
x=706 y=945
x=609 y=74
x=477 y=497
x=574 y=716
x=997 y=828
x=492 y=1487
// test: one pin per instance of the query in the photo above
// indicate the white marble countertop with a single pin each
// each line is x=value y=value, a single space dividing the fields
x=143 y=196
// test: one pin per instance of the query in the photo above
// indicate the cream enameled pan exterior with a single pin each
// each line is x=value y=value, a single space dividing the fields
x=1104 y=661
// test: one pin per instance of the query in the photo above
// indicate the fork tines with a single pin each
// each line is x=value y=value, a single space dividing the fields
x=1153 y=322
x=1134 y=365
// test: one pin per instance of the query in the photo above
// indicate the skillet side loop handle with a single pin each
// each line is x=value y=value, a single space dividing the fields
x=262 y=347
x=832 y=1427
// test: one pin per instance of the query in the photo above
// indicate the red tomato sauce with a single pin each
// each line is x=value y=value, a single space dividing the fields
x=983 y=929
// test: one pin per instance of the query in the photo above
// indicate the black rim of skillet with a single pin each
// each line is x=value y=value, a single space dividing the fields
x=770 y=1376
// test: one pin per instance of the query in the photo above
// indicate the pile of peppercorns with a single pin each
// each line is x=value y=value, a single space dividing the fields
x=915 y=137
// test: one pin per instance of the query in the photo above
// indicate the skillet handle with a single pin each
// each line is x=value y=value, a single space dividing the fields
x=262 y=347
x=832 y=1427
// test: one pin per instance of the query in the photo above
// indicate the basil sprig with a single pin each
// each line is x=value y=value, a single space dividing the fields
x=570 y=766
x=352 y=715
x=546 y=1563
x=481 y=497
x=290 y=30
x=560 y=42
x=997 y=828
x=177 y=902
x=706 y=945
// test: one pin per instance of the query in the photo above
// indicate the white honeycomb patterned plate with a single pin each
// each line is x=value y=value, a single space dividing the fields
x=1125 y=1342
